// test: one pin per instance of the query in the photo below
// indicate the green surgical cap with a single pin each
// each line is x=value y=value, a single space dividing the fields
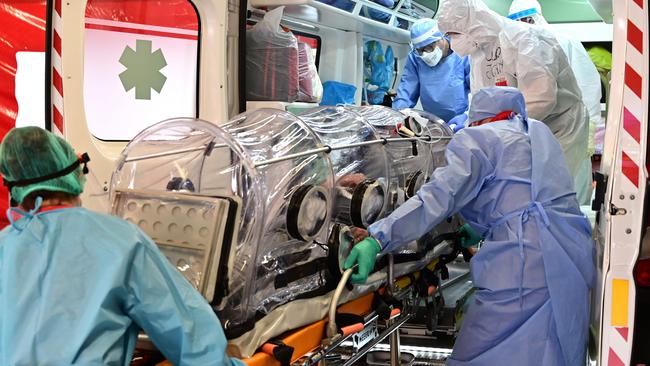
x=32 y=152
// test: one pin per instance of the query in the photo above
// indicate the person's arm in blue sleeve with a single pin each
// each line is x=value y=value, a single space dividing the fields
x=468 y=73
x=451 y=187
x=408 y=91
x=174 y=315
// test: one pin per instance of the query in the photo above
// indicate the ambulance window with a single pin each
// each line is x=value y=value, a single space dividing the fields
x=140 y=65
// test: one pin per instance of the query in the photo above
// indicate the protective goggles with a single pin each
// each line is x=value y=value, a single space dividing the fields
x=82 y=159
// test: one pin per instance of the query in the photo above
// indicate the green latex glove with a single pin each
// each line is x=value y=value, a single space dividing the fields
x=364 y=253
x=469 y=237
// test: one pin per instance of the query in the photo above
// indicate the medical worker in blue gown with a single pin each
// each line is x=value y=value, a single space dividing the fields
x=434 y=74
x=76 y=286
x=508 y=179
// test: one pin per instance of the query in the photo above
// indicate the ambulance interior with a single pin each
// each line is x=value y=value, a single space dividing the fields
x=246 y=174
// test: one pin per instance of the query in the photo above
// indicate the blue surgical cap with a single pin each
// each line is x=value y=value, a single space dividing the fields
x=489 y=102
x=424 y=32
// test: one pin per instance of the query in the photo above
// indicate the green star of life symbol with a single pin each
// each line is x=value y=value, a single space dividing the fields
x=142 y=69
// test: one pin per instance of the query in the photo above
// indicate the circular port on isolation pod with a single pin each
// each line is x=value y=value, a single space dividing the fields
x=367 y=203
x=307 y=212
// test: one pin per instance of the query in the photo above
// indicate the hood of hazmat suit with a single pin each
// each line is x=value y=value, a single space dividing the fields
x=583 y=68
x=489 y=102
x=529 y=58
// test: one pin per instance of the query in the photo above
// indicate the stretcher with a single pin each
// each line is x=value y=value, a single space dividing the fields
x=310 y=344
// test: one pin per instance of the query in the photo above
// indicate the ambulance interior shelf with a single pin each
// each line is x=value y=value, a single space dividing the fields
x=364 y=16
x=295 y=107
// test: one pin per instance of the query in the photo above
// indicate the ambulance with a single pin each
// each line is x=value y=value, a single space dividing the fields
x=98 y=72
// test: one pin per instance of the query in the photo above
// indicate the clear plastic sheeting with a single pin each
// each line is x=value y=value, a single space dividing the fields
x=310 y=87
x=287 y=267
x=361 y=171
x=411 y=161
x=278 y=221
x=271 y=60
x=435 y=127
x=197 y=158
x=256 y=213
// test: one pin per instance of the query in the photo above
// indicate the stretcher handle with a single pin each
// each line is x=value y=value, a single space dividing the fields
x=268 y=348
x=351 y=329
x=280 y=351
x=431 y=290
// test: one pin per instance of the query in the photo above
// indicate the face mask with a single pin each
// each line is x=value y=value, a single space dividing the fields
x=463 y=45
x=432 y=58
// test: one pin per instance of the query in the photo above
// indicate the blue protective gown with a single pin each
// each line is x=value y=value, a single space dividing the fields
x=442 y=89
x=534 y=272
x=76 y=287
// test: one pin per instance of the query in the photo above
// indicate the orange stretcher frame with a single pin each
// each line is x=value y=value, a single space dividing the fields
x=308 y=338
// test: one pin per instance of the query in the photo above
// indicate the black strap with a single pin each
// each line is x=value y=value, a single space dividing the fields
x=427 y=279
x=84 y=159
x=282 y=352
x=381 y=307
x=347 y=319
x=302 y=271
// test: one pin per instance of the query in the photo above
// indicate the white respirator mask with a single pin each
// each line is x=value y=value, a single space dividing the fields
x=432 y=58
x=463 y=45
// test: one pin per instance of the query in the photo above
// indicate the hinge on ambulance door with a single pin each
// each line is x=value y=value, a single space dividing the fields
x=601 y=187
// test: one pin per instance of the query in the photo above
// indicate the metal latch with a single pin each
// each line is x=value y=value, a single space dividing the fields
x=364 y=337
x=615 y=211
x=601 y=187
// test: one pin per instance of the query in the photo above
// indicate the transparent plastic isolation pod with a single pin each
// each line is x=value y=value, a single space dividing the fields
x=362 y=174
x=361 y=169
x=233 y=209
x=427 y=123
x=414 y=140
x=256 y=213
x=410 y=160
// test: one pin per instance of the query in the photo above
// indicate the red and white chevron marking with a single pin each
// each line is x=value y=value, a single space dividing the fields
x=616 y=335
x=57 y=70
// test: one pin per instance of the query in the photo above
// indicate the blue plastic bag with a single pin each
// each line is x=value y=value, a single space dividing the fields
x=378 y=71
x=335 y=93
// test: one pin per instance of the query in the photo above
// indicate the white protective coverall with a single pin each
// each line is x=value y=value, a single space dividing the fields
x=583 y=68
x=529 y=58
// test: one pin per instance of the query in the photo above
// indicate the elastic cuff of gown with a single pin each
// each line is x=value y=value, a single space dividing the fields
x=378 y=238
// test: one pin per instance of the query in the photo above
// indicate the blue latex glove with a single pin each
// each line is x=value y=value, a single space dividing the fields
x=469 y=237
x=364 y=253
x=458 y=123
